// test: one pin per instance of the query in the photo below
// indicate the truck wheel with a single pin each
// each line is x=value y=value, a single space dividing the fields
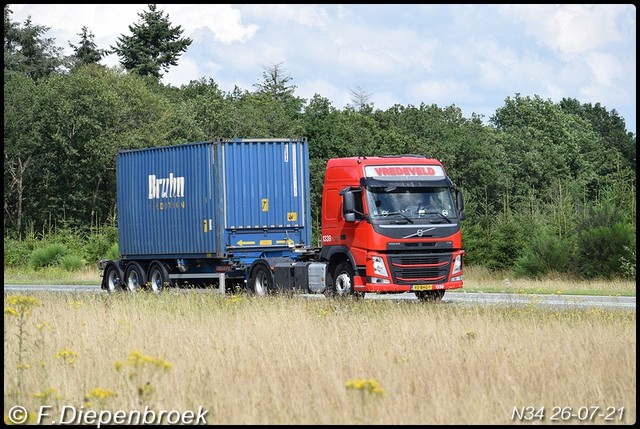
x=261 y=281
x=135 y=277
x=113 y=278
x=158 y=277
x=343 y=281
x=430 y=295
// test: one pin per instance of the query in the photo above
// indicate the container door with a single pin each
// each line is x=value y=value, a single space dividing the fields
x=266 y=198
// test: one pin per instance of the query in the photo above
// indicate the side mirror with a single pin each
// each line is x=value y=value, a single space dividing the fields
x=348 y=202
x=460 y=203
x=349 y=210
x=348 y=205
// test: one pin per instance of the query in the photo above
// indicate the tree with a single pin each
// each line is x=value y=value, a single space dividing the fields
x=275 y=87
x=21 y=145
x=26 y=50
x=610 y=126
x=360 y=98
x=153 y=45
x=87 y=51
x=11 y=41
x=275 y=82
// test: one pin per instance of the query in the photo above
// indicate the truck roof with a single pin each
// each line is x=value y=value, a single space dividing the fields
x=401 y=167
x=385 y=159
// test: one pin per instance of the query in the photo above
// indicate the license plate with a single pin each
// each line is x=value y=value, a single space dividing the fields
x=421 y=287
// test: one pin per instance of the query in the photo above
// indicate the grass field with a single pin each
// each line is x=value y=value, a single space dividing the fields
x=279 y=360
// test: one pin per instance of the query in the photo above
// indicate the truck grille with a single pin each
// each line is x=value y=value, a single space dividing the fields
x=425 y=268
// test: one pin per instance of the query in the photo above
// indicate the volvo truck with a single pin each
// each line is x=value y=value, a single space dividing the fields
x=235 y=214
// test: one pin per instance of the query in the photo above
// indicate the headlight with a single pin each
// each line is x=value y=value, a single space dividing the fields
x=379 y=267
x=457 y=264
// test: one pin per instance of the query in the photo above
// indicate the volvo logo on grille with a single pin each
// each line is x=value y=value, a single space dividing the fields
x=419 y=233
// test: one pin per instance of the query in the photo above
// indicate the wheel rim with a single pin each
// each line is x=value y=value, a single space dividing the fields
x=112 y=280
x=156 y=280
x=261 y=283
x=343 y=284
x=133 y=281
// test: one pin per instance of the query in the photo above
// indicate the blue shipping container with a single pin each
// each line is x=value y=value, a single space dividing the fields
x=211 y=199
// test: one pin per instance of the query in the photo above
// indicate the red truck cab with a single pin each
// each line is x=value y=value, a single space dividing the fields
x=391 y=225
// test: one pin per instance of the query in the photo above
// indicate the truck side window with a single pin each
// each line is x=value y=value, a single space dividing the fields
x=359 y=205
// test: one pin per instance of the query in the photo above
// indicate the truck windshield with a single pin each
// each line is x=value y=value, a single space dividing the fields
x=410 y=202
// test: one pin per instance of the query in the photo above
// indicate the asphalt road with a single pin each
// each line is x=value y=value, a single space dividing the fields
x=477 y=298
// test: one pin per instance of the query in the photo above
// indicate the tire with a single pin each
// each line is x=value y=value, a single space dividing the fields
x=135 y=277
x=261 y=281
x=158 y=277
x=113 y=278
x=342 y=280
x=430 y=295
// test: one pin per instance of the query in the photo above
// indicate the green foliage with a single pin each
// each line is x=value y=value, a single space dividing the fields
x=83 y=120
x=87 y=51
x=474 y=237
x=628 y=262
x=66 y=247
x=154 y=45
x=98 y=244
x=27 y=51
x=496 y=242
x=113 y=252
x=16 y=252
x=545 y=254
x=51 y=254
x=602 y=250
x=275 y=82
x=71 y=262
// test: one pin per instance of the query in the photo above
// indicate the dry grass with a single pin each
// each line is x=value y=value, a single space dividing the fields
x=481 y=279
x=288 y=360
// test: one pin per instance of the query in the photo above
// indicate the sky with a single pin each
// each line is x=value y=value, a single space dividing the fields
x=472 y=56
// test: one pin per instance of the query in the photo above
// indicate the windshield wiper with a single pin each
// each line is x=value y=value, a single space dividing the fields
x=441 y=216
x=385 y=214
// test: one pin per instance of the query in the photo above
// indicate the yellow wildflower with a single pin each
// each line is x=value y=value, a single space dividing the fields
x=67 y=355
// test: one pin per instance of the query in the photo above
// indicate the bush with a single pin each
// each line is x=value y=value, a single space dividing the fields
x=98 y=244
x=17 y=252
x=629 y=263
x=545 y=254
x=71 y=262
x=51 y=254
x=113 y=252
x=603 y=250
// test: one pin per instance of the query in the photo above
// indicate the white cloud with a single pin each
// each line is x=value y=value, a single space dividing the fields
x=307 y=15
x=437 y=91
x=605 y=67
x=569 y=28
x=308 y=88
x=224 y=21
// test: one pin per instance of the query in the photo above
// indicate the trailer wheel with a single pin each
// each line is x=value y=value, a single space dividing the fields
x=135 y=277
x=158 y=277
x=343 y=281
x=113 y=278
x=430 y=295
x=261 y=281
